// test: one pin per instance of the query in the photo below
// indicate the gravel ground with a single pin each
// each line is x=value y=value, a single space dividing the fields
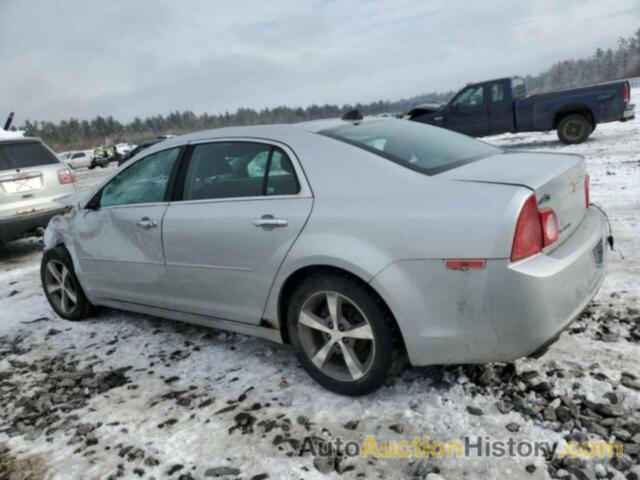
x=130 y=396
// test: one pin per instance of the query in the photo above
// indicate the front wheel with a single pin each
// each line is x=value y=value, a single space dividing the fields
x=574 y=129
x=61 y=285
x=341 y=333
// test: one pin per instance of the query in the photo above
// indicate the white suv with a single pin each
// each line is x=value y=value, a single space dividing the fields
x=31 y=178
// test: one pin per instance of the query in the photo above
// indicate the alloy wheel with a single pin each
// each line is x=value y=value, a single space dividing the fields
x=336 y=336
x=60 y=287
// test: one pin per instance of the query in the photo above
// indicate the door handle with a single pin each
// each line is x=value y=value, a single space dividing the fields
x=269 y=222
x=147 y=223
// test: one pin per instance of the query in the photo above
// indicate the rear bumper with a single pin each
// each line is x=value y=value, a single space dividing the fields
x=502 y=312
x=15 y=226
x=629 y=113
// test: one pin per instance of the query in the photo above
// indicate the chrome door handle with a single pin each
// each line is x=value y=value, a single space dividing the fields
x=147 y=223
x=269 y=222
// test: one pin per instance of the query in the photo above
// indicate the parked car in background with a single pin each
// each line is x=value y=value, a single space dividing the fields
x=77 y=159
x=502 y=105
x=291 y=233
x=139 y=148
x=124 y=148
x=31 y=178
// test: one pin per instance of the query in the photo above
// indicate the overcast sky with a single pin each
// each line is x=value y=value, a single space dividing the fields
x=84 y=58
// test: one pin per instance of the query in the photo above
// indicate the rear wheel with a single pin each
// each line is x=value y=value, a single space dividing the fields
x=341 y=334
x=574 y=128
x=61 y=286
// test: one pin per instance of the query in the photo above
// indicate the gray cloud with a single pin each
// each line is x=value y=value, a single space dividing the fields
x=138 y=58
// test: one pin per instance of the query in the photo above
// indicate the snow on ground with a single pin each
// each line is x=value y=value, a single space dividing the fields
x=125 y=395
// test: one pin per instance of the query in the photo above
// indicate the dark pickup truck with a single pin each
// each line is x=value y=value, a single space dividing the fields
x=502 y=105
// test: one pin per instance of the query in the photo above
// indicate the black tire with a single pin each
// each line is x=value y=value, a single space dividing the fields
x=574 y=129
x=376 y=315
x=82 y=308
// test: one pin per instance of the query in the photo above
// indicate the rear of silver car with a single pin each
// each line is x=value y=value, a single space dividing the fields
x=507 y=308
x=31 y=179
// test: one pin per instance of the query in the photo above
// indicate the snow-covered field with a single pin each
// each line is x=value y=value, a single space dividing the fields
x=129 y=396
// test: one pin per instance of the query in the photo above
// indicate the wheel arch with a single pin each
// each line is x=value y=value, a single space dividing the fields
x=294 y=279
x=580 y=109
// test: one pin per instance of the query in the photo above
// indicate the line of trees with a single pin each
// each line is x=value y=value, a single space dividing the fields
x=602 y=66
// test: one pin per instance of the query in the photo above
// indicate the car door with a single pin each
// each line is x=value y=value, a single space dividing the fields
x=119 y=236
x=239 y=209
x=500 y=107
x=467 y=112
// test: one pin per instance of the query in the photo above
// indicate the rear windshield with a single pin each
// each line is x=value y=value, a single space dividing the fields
x=24 y=155
x=417 y=146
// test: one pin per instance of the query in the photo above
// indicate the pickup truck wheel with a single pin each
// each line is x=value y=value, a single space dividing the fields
x=340 y=334
x=574 y=128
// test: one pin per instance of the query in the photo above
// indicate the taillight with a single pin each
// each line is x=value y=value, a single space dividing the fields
x=550 y=230
x=66 y=176
x=528 y=238
x=587 y=199
x=626 y=94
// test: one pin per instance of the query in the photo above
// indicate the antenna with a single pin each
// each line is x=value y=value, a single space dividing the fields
x=7 y=124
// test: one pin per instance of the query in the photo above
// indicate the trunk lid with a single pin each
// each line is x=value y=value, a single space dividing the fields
x=556 y=179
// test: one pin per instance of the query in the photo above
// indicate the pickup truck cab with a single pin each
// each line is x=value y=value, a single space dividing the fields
x=503 y=105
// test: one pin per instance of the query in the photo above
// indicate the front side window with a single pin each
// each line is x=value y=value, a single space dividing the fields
x=420 y=147
x=471 y=97
x=238 y=169
x=143 y=182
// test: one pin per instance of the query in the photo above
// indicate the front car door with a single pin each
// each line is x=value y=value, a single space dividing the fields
x=119 y=236
x=467 y=112
x=240 y=206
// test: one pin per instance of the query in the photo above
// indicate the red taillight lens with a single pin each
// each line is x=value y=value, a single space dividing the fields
x=550 y=230
x=66 y=176
x=626 y=94
x=528 y=238
x=587 y=195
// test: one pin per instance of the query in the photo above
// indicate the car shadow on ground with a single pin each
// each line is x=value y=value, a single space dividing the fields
x=18 y=252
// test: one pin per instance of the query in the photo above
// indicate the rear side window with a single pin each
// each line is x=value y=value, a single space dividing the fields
x=497 y=93
x=426 y=149
x=238 y=169
x=25 y=155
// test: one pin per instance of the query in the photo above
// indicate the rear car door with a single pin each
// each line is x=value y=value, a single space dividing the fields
x=118 y=235
x=500 y=107
x=240 y=206
x=467 y=112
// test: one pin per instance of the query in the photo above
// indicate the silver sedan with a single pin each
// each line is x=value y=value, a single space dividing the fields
x=358 y=242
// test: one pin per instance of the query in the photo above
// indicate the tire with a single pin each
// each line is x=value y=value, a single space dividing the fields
x=55 y=262
x=371 y=354
x=574 y=129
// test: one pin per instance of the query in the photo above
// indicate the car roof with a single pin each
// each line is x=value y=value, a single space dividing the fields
x=270 y=131
x=21 y=140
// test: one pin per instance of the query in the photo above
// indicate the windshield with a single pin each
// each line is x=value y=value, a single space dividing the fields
x=426 y=149
x=14 y=156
